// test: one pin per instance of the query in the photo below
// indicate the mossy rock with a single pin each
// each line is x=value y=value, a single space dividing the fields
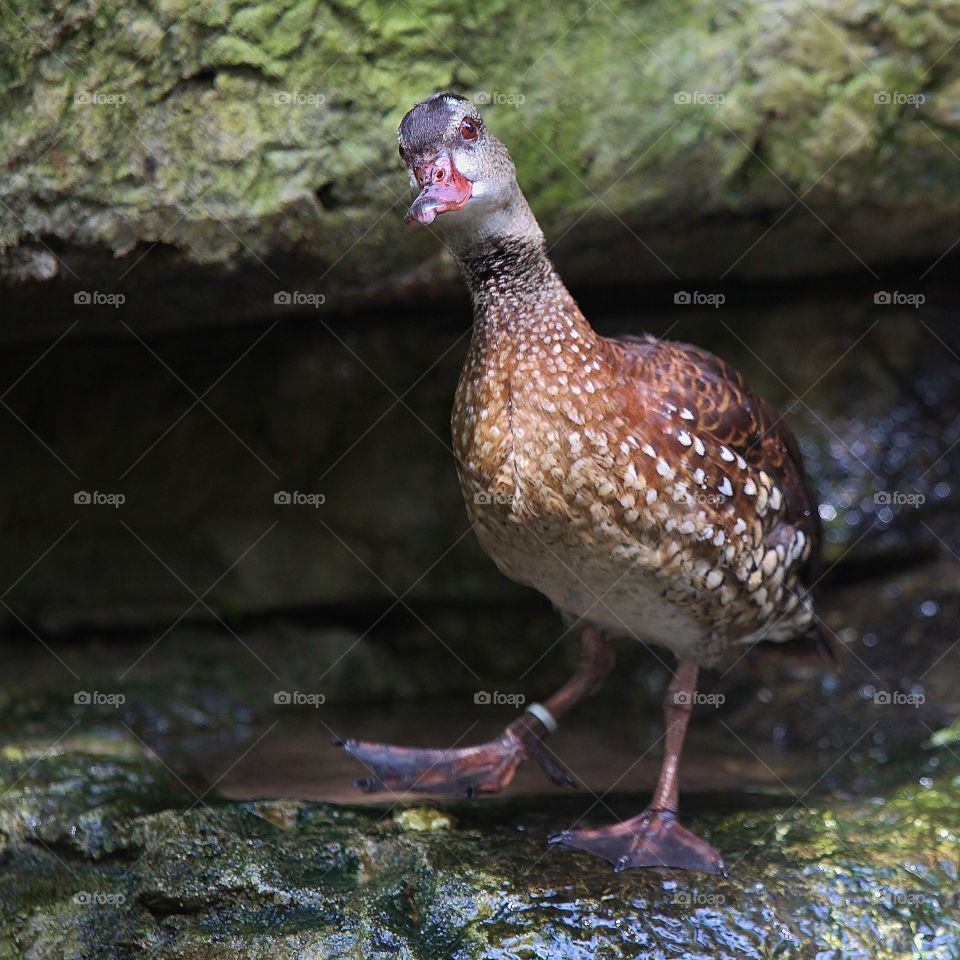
x=176 y=141
x=107 y=857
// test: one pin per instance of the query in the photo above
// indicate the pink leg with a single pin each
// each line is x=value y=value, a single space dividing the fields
x=487 y=767
x=656 y=838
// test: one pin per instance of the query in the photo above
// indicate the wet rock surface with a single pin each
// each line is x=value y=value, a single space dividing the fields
x=104 y=855
x=182 y=810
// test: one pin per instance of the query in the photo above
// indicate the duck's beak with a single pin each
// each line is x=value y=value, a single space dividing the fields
x=442 y=188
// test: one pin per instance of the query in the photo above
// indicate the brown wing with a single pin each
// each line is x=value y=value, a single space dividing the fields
x=698 y=391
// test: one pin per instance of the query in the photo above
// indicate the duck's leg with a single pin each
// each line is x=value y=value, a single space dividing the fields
x=656 y=838
x=487 y=767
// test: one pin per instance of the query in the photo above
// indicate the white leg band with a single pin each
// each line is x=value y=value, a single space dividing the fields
x=539 y=711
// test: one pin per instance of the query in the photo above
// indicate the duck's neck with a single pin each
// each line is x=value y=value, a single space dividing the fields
x=532 y=357
x=516 y=291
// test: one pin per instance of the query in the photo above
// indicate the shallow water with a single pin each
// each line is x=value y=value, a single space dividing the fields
x=296 y=759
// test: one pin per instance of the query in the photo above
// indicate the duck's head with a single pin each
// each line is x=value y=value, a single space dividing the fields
x=459 y=168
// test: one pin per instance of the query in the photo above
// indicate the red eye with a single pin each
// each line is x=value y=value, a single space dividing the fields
x=468 y=129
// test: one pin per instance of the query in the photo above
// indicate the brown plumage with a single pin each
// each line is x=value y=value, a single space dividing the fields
x=614 y=474
x=639 y=484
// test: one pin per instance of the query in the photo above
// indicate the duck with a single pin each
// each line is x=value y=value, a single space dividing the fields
x=638 y=483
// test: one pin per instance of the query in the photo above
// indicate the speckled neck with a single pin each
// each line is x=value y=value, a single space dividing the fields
x=506 y=266
x=516 y=290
